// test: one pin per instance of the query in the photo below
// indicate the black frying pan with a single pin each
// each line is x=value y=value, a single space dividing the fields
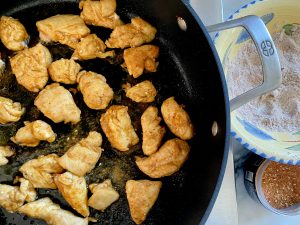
x=188 y=69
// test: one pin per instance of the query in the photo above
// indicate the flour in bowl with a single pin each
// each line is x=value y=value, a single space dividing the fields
x=277 y=111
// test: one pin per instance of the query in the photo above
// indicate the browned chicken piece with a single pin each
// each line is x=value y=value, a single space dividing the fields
x=91 y=47
x=177 y=119
x=74 y=191
x=5 y=151
x=142 y=92
x=57 y=103
x=141 y=196
x=13 y=34
x=27 y=188
x=97 y=94
x=141 y=58
x=33 y=132
x=64 y=71
x=82 y=157
x=153 y=133
x=51 y=213
x=133 y=34
x=103 y=195
x=10 y=111
x=40 y=171
x=30 y=67
x=13 y=197
x=100 y=13
x=166 y=161
x=116 y=124
x=66 y=29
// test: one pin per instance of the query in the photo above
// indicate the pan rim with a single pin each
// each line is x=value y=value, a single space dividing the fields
x=227 y=113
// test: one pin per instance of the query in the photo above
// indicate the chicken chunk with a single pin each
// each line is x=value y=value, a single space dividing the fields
x=13 y=197
x=133 y=34
x=33 y=132
x=166 y=161
x=142 y=92
x=13 y=34
x=100 y=13
x=141 y=196
x=74 y=191
x=177 y=119
x=10 y=111
x=5 y=151
x=116 y=124
x=82 y=157
x=66 y=29
x=103 y=195
x=40 y=171
x=27 y=188
x=30 y=67
x=97 y=94
x=64 y=71
x=51 y=213
x=153 y=133
x=91 y=47
x=141 y=58
x=57 y=103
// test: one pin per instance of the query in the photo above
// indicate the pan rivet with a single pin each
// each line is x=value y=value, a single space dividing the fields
x=214 y=128
x=181 y=23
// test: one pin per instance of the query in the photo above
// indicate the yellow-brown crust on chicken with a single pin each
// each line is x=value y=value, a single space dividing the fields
x=166 y=161
x=116 y=124
x=66 y=29
x=40 y=171
x=64 y=71
x=57 y=103
x=30 y=67
x=51 y=213
x=177 y=119
x=13 y=34
x=141 y=58
x=91 y=47
x=83 y=156
x=74 y=191
x=133 y=34
x=97 y=94
x=103 y=195
x=100 y=13
x=33 y=132
x=142 y=92
x=10 y=111
x=141 y=196
x=153 y=133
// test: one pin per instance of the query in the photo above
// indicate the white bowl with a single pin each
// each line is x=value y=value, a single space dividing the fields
x=277 y=146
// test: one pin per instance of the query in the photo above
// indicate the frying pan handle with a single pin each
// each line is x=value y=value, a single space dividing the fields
x=267 y=52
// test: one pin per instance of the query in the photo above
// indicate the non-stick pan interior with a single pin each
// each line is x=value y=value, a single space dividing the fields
x=187 y=70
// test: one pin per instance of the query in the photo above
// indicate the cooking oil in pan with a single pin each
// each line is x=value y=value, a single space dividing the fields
x=114 y=165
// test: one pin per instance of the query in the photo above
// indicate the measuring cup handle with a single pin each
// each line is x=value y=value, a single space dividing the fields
x=267 y=52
